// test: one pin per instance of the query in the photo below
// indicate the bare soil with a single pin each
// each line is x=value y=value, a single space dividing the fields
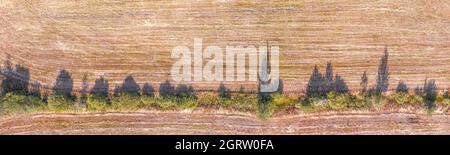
x=174 y=123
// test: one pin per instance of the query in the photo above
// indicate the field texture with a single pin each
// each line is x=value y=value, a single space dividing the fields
x=118 y=38
x=175 y=123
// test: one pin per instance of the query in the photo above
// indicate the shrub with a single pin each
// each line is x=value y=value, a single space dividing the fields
x=314 y=103
x=126 y=102
x=13 y=103
x=210 y=99
x=186 y=103
x=406 y=98
x=339 y=101
x=242 y=101
x=282 y=101
x=167 y=103
x=149 y=102
x=361 y=100
x=59 y=102
x=97 y=102
x=416 y=99
x=445 y=98
x=401 y=98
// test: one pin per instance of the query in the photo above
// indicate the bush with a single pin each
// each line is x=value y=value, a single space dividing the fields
x=13 y=103
x=97 y=102
x=59 y=102
x=315 y=103
x=242 y=101
x=210 y=99
x=361 y=100
x=282 y=101
x=401 y=98
x=238 y=101
x=445 y=98
x=126 y=102
x=406 y=98
x=167 y=103
x=416 y=99
x=149 y=102
x=339 y=101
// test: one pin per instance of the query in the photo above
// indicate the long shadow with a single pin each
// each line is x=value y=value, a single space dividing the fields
x=264 y=99
x=63 y=84
x=15 y=80
x=320 y=85
x=84 y=89
x=429 y=93
x=130 y=86
x=430 y=90
x=35 y=89
x=224 y=92
x=281 y=86
x=402 y=87
x=340 y=86
x=383 y=74
x=166 y=89
x=101 y=86
x=315 y=83
x=184 y=91
x=364 y=82
x=328 y=81
x=148 y=90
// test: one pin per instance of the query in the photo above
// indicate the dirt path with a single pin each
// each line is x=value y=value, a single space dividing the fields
x=201 y=123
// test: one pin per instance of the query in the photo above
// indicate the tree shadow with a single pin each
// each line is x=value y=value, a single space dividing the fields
x=402 y=87
x=15 y=79
x=148 y=90
x=224 y=92
x=101 y=86
x=184 y=91
x=130 y=86
x=281 y=86
x=166 y=89
x=63 y=84
x=264 y=99
x=340 y=86
x=35 y=89
x=242 y=90
x=430 y=90
x=117 y=90
x=84 y=89
x=327 y=84
x=320 y=85
x=364 y=82
x=383 y=74
x=315 y=83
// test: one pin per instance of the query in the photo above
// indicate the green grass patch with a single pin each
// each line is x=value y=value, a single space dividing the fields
x=445 y=98
x=17 y=103
x=97 y=102
x=60 y=103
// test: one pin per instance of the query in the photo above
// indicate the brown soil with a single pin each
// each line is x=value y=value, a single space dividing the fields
x=221 y=123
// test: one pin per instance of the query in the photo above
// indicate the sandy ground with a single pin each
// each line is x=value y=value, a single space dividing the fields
x=173 y=123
